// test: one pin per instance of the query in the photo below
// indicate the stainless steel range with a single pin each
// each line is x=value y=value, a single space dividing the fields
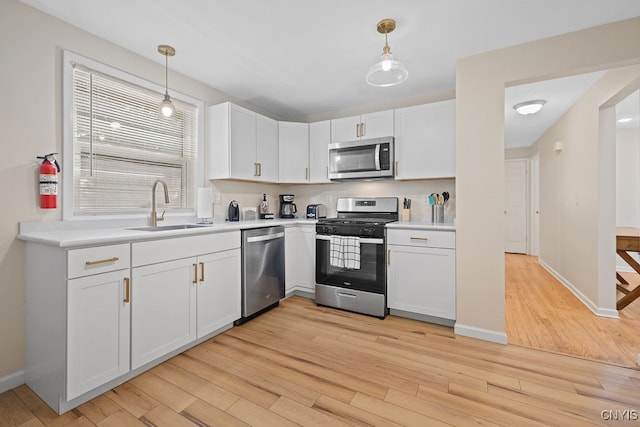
x=351 y=269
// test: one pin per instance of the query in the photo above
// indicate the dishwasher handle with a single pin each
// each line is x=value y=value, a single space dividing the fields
x=265 y=237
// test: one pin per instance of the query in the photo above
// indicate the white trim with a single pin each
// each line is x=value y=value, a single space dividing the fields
x=598 y=311
x=479 y=333
x=534 y=203
x=69 y=59
x=11 y=381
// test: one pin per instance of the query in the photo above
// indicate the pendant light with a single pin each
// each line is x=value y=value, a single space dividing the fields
x=387 y=72
x=166 y=106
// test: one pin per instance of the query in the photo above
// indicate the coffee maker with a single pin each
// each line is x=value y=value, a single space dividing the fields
x=287 y=207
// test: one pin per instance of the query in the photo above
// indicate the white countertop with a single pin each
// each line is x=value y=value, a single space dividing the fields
x=75 y=235
x=70 y=234
x=422 y=224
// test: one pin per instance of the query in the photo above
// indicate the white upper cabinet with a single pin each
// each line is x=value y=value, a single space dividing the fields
x=319 y=139
x=293 y=152
x=372 y=125
x=425 y=141
x=267 y=148
x=242 y=144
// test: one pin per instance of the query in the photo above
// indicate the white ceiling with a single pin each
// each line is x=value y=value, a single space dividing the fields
x=295 y=58
x=559 y=94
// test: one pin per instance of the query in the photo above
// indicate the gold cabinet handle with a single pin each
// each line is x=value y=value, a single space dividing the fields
x=423 y=239
x=259 y=169
x=127 y=289
x=396 y=168
x=388 y=256
x=306 y=174
x=362 y=132
x=255 y=169
x=202 y=271
x=195 y=273
x=358 y=130
x=102 y=261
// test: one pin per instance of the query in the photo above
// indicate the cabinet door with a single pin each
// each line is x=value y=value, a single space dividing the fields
x=345 y=129
x=319 y=138
x=300 y=259
x=242 y=138
x=294 y=152
x=425 y=141
x=164 y=317
x=291 y=243
x=218 y=290
x=98 y=320
x=267 y=148
x=307 y=258
x=422 y=280
x=376 y=125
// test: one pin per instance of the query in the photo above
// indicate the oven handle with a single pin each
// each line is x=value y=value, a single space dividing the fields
x=362 y=239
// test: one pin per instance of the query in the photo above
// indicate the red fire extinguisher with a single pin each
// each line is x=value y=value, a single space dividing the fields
x=48 y=181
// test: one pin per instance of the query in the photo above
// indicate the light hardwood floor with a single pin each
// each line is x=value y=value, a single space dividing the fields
x=305 y=365
x=541 y=313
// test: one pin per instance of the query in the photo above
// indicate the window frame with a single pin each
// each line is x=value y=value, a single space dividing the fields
x=69 y=59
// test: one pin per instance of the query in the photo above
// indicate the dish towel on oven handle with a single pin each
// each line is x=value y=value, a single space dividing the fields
x=344 y=252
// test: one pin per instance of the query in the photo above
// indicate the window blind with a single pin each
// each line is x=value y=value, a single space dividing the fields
x=121 y=145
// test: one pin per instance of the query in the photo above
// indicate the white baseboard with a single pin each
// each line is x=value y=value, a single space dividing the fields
x=479 y=333
x=11 y=381
x=598 y=311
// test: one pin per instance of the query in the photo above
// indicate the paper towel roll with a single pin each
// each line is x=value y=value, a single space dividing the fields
x=204 y=207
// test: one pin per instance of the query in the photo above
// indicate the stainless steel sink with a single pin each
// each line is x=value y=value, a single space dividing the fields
x=168 y=227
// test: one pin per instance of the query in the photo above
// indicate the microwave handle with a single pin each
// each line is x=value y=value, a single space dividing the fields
x=377 y=157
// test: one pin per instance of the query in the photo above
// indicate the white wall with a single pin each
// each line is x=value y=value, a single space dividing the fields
x=480 y=81
x=570 y=191
x=627 y=184
x=628 y=177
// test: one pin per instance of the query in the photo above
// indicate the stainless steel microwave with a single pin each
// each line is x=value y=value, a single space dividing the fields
x=366 y=158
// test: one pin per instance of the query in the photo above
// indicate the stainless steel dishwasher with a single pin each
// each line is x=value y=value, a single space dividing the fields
x=262 y=270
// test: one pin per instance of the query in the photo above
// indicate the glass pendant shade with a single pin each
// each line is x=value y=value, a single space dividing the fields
x=387 y=72
x=166 y=107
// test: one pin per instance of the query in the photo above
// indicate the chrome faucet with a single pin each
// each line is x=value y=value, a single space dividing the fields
x=154 y=215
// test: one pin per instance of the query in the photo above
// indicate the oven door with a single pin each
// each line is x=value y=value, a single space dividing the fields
x=370 y=277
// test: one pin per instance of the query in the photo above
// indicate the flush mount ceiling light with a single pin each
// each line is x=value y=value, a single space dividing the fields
x=166 y=106
x=387 y=72
x=529 y=107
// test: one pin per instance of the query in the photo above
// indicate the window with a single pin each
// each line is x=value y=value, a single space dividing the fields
x=121 y=145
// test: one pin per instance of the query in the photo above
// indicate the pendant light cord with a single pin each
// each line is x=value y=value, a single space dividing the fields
x=166 y=74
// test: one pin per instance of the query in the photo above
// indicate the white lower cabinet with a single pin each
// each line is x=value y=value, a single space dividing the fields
x=94 y=315
x=300 y=259
x=177 y=301
x=421 y=272
x=98 y=331
x=218 y=291
x=164 y=315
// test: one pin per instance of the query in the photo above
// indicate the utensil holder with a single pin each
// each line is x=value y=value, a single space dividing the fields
x=437 y=214
x=406 y=215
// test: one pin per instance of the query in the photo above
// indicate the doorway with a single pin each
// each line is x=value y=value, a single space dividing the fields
x=543 y=313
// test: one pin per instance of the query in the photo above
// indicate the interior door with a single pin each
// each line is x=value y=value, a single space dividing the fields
x=515 y=205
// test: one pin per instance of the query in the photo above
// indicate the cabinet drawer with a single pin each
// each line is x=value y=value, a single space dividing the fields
x=424 y=238
x=154 y=251
x=100 y=259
